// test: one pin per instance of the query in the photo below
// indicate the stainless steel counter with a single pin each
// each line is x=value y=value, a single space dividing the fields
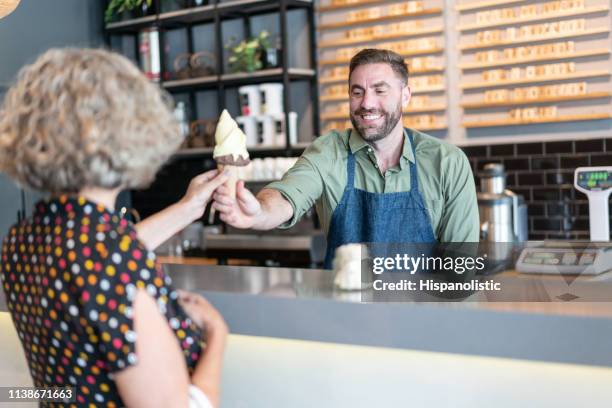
x=303 y=304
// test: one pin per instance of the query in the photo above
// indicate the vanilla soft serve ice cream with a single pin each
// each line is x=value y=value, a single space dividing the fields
x=230 y=149
x=230 y=142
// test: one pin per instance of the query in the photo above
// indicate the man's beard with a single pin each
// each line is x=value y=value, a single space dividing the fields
x=375 y=133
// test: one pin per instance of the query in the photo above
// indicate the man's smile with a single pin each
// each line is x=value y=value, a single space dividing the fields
x=370 y=117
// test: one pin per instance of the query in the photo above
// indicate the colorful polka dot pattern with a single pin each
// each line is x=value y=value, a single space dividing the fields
x=69 y=274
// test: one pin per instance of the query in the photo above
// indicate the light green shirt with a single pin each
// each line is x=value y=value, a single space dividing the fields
x=445 y=181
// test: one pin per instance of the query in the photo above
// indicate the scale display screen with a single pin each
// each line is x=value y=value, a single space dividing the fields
x=566 y=258
x=595 y=180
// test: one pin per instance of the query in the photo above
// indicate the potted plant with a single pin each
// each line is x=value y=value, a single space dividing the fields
x=247 y=55
x=117 y=7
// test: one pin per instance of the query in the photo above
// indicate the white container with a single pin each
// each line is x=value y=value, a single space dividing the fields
x=248 y=124
x=180 y=114
x=279 y=129
x=250 y=100
x=279 y=168
x=266 y=130
x=257 y=169
x=269 y=167
x=271 y=98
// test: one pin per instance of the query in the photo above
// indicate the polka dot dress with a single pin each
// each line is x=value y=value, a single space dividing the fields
x=69 y=274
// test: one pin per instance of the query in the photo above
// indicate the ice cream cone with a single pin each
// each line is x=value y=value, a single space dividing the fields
x=233 y=178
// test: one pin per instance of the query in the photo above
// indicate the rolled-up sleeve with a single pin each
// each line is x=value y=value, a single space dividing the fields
x=460 y=220
x=302 y=185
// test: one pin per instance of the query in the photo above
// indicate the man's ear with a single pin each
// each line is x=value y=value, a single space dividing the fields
x=406 y=95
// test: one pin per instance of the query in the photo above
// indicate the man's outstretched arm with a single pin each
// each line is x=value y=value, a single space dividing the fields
x=266 y=211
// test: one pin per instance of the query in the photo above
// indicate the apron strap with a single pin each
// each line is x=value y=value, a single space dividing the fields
x=350 y=168
x=414 y=181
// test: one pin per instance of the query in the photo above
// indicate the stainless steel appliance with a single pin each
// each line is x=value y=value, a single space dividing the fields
x=503 y=214
x=503 y=219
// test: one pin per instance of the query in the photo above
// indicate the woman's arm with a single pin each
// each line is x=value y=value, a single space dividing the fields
x=207 y=374
x=157 y=228
x=159 y=378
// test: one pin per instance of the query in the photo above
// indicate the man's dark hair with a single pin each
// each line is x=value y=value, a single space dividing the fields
x=378 y=56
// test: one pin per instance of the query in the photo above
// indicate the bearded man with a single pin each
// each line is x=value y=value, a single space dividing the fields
x=376 y=182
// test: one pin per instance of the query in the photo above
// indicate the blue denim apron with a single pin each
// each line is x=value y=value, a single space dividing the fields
x=363 y=217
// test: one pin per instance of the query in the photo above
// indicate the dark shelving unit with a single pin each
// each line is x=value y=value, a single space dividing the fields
x=215 y=13
x=205 y=27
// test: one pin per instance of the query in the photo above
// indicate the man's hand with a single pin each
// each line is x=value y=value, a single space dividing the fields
x=200 y=190
x=241 y=212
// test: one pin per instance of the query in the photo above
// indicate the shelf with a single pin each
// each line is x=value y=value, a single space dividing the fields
x=300 y=146
x=559 y=119
x=210 y=82
x=502 y=62
x=349 y=41
x=341 y=24
x=335 y=98
x=332 y=80
x=433 y=89
x=350 y=5
x=253 y=7
x=267 y=74
x=405 y=54
x=485 y=105
x=200 y=82
x=427 y=129
x=486 y=4
x=409 y=111
x=253 y=151
x=131 y=26
x=541 y=17
x=586 y=74
x=203 y=14
x=535 y=39
x=191 y=15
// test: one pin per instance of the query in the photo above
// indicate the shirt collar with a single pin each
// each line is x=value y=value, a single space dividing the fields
x=357 y=143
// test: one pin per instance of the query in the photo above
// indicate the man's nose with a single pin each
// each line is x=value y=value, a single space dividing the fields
x=369 y=100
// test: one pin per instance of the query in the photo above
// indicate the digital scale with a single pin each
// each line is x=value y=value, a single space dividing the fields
x=579 y=257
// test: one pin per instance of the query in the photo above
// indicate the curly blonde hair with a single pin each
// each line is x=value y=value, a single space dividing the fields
x=79 y=118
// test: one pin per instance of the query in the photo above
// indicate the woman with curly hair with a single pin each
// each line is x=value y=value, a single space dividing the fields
x=91 y=306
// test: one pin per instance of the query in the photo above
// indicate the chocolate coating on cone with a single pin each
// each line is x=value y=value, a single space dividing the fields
x=229 y=160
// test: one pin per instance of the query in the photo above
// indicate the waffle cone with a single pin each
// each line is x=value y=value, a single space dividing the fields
x=233 y=178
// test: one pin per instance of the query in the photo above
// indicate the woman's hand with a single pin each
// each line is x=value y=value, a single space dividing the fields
x=202 y=313
x=200 y=190
x=160 y=226
x=207 y=373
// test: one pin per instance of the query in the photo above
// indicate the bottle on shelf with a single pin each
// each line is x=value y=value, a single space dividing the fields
x=148 y=47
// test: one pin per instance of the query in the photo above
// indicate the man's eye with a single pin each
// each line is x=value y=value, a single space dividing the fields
x=357 y=93
x=381 y=91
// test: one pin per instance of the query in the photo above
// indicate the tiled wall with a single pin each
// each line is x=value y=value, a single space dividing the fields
x=544 y=174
